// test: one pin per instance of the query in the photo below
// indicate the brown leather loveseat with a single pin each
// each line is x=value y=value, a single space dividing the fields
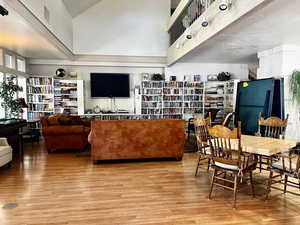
x=65 y=132
x=137 y=139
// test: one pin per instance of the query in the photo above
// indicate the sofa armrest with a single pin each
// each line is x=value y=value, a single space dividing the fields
x=64 y=130
x=3 y=142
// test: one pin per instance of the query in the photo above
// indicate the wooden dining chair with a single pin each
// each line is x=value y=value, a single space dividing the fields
x=281 y=170
x=228 y=158
x=201 y=125
x=272 y=127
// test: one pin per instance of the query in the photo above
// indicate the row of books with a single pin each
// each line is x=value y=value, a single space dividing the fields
x=192 y=111
x=173 y=98
x=151 y=104
x=152 y=111
x=39 y=107
x=39 y=99
x=36 y=115
x=149 y=84
x=152 y=91
x=39 y=81
x=40 y=90
x=173 y=104
x=193 y=84
x=152 y=98
x=193 y=91
x=172 y=110
x=173 y=91
x=193 y=104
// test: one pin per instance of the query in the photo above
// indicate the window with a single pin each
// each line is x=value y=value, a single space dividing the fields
x=21 y=64
x=8 y=60
x=2 y=111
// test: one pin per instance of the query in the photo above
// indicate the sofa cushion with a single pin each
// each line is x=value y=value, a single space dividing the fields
x=70 y=120
x=5 y=150
x=64 y=130
x=53 y=120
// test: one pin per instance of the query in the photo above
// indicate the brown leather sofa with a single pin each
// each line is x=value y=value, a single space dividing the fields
x=137 y=139
x=64 y=132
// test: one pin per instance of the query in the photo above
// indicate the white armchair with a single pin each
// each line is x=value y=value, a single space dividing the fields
x=5 y=152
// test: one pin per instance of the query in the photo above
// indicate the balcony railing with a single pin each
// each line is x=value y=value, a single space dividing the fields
x=192 y=12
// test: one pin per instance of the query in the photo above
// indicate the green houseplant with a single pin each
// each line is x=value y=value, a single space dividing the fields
x=8 y=93
x=295 y=86
x=157 y=77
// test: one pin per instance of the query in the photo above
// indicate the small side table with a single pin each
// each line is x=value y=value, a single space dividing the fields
x=31 y=131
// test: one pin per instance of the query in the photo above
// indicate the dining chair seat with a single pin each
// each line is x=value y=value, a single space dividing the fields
x=282 y=165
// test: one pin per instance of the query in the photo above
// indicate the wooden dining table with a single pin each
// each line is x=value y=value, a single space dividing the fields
x=264 y=146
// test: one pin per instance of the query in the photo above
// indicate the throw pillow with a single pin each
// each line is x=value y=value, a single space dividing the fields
x=53 y=120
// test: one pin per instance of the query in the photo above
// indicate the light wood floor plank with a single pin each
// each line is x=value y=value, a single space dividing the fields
x=62 y=189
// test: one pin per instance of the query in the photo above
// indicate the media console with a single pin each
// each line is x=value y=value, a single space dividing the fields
x=119 y=116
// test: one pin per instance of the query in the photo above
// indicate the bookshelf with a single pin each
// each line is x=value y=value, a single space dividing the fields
x=39 y=97
x=68 y=96
x=186 y=99
x=46 y=96
x=152 y=99
x=193 y=98
x=220 y=95
x=173 y=99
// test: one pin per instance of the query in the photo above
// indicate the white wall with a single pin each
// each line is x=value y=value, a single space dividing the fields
x=60 y=20
x=123 y=27
x=239 y=71
x=83 y=73
x=280 y=62
x=180 y=69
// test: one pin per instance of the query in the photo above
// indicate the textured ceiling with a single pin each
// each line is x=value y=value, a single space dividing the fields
x=76 y=7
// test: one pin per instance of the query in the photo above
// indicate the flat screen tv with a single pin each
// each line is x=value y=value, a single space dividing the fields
x=110 y=85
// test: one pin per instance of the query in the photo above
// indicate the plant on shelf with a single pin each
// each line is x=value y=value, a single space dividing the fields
x=295 y=86
x=8 y=93
x=224 y=76
x=157 y=77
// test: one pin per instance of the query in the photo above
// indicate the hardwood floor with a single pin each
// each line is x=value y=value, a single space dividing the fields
x=61 y=188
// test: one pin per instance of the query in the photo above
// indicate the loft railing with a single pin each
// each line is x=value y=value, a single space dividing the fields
x=192 y=12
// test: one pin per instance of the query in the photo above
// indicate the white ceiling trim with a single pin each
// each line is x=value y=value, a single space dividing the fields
x=89 y=63
x=37 y=25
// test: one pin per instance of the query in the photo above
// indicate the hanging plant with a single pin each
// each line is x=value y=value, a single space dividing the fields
x=8 y=93
x=295 y=86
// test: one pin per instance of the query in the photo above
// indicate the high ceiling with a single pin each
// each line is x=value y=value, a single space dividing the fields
x=174 y=3
x=275 y=24
x=76 y=7
x=18 y=36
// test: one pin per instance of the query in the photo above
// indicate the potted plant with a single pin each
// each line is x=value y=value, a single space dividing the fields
x=8 y=93
x=224 y=76
x=295 y=86
x=157 y=77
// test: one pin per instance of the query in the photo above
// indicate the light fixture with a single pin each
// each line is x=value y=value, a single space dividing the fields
x=224 y=4
x=204 y=22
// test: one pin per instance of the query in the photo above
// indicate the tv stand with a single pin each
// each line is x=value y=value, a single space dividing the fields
x=119 y=116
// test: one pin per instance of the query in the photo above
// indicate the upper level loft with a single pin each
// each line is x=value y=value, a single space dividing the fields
x=229 y=31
